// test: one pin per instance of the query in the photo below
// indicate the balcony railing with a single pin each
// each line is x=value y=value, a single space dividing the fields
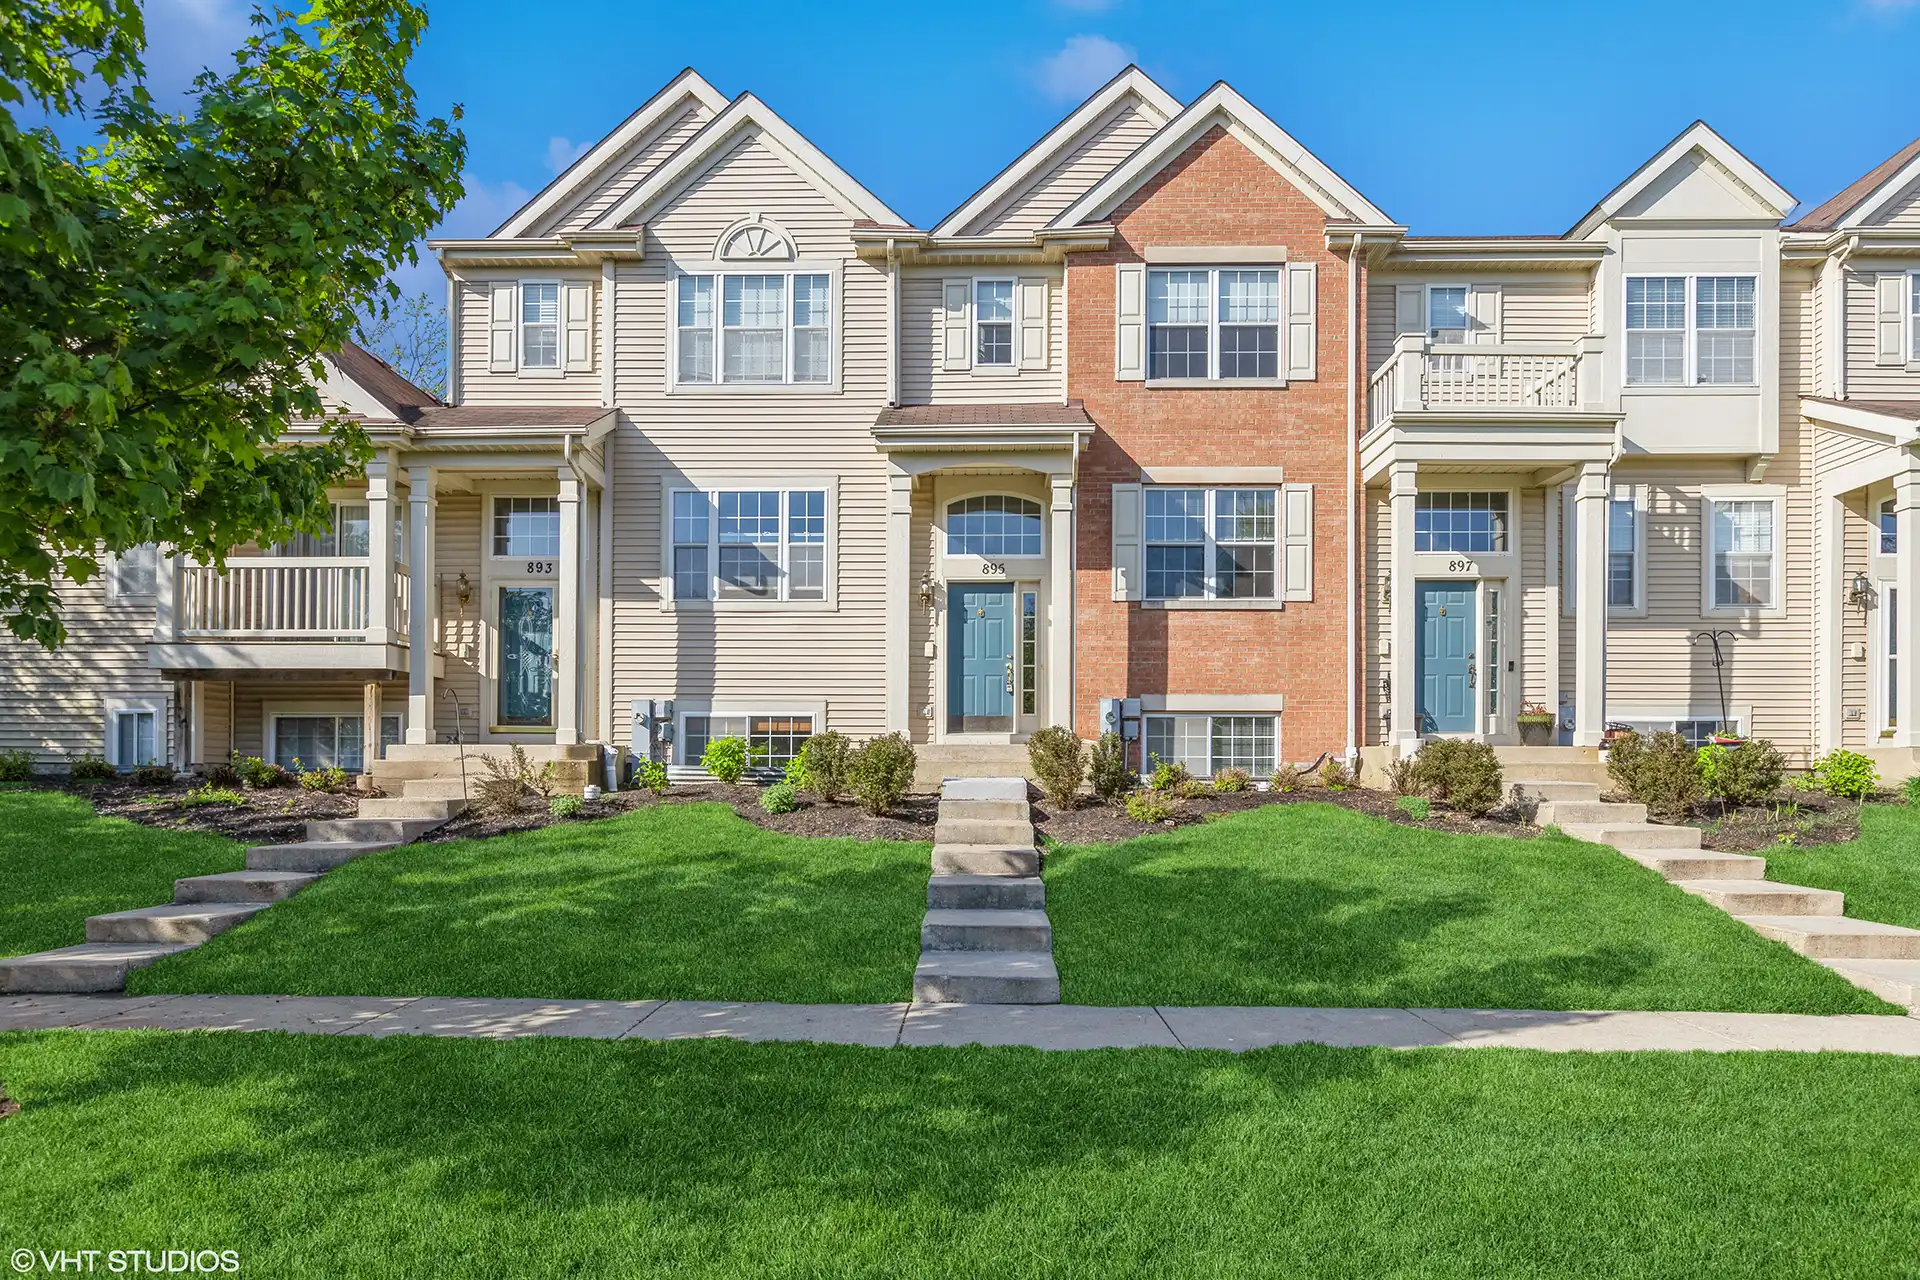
x=1508 y=377
x=312 y=598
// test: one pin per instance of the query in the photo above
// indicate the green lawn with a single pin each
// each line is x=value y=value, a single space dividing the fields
x=677 y=901
x=1879 y=872
x=1309 y=904
x=316 y=1156
x=60 y=863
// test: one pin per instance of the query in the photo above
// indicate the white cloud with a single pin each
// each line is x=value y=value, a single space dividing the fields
x=562 y=152
x=1083 y=64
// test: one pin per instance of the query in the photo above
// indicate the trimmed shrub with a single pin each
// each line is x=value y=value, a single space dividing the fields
x=652 y=776
x=568 y=806
x=725 y=760
x=1431 y=774
x=330 y=779
x=1661 y=772
x=1624 y=754
x=1167 y=776
x=1415 y=807
x=1232 y=780
x=781 y=797
x=825 y=763
x=1059 y=760
x=1146 y=806
x=152 y=775
x=1334 y=774
x=1287 y=779
x=1463 y=775
x=795 y=774
x=88 y=767
x=1845 y=774
x=1746 y=773
x=1400 y=776
x=16 y=766
x=880 y=771
x=1193 y=788
x=259 y=774
x=1107 y=768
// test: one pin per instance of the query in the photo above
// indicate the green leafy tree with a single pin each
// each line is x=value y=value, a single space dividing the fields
x=169 y=291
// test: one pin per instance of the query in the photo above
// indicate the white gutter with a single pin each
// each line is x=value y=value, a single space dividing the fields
x=1355 y=335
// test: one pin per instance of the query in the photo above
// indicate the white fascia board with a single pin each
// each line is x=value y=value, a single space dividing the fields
x=650 y=115
x=705 y=146
x=1697 y=136
x=1035 y=159
x=1856 y=218
x=359 y=402
x=1222 y=104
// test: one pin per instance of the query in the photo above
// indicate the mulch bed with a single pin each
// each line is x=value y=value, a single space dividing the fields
x=1801 y=817
x=277 y=815
x=1090 y=822
x=912 y=820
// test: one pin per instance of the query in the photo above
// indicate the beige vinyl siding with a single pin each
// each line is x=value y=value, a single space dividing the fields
x=1533 y=308
x=480 y=385
x=1087 y=159
x=1859 y=531
x=460 y=526
x=1537 y=613
x=924 y=381
x=254 y=700
x=777 y=656
x=601 y=191
x=1865 y=379
x=1903 y=211
x=213 y=706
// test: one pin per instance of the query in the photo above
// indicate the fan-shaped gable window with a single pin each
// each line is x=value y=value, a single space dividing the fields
x=993 y=525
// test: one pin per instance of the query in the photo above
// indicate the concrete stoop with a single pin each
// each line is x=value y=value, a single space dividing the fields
x=205 y=906
x=986 y=938
x=1881 y=958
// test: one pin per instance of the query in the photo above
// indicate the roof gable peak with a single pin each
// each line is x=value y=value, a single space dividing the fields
x=1770 y=200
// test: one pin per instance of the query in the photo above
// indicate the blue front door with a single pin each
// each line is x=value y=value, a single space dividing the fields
x=1446 y=672
x=980 y=658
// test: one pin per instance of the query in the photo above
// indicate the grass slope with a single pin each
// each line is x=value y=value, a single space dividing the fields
x=60 y=863
x=680 y=901
x=315 y=1156
x=1879 y=872
x=1317 y=905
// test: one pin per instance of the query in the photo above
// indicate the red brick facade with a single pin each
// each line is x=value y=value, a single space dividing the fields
x=1216 y=193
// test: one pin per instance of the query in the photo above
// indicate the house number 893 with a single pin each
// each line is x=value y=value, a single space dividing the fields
x=540 y=567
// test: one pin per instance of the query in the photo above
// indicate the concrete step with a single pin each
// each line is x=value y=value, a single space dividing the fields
x=92 y=966
x=439 y=808
x=318 y=855
x=390 y=775
x=985 y=860
x=1563 y=812
x=1896 y=981
x=991 y=930
x=986 y=893
x=1001 y=831
x=365 y=830
x=1838 y=937
x=242 y=886
x=1681 y=864
x=537 y=752
x=986 y=977
x=1549 y=771
x=1541 y=790
x=1635 y=837
x=190 y=923
x=1512 y=757
x=437 y=788
x=1766 y=897
x=937 y=763
x=970 y=789
x=986 y=811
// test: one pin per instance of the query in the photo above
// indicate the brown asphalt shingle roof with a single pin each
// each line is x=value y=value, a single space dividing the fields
x=1070 y=414
x=441 y=417
x=404 y=400
x=1827 y=216
x=1908 y=410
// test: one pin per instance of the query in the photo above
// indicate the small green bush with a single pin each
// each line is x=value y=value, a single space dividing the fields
x=1400 y=775
x=1193 y=789
x=1147 y=806
x=795 y=774
x=781 y=797
x=207 y=794
x=880 y=771
x=329 y=778
x=1463 y=775
x=1059 y=760
x=1167 y=776
x=725 y=760
x=1431 y=774
x=1845 y=774
x=88 y=767
x=1912 y=789
x=509 y=783
x=259 y=774
x=1415 y=807
x=1661 y=772
x=1287 y=780
x=651 y=775
x=223 y=775
x=1334 y=774
x=1747 y=773
x=1107 y=768
x=152 y=775
x=825 y=762
x=1232 y=780
x=566 y=806
x=16 y=766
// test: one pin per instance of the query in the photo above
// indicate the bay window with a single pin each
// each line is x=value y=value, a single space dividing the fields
x=768 y=328
x=1211 y=544
x=749 y=544
x=1699 y=330
x=1213 y=323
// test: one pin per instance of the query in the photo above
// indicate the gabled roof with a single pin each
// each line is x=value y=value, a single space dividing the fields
x=706 y=146
x=1883 y=179
x=1698 y=136
x=1222 y=105
x=1057 y=141
x=661 y=108
x=378 y=384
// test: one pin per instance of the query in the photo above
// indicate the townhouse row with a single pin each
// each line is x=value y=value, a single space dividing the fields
x=1167 y=428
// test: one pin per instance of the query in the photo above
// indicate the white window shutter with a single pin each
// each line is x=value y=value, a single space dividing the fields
x=1303 y=330
x=1483 y=324
x=956 y=347
x=1033 y=323
x=576 y=313
x=502 y=354
x=1296 y=541
x=1409 y=309
x=1130 y=316
x=1889 y=321
x=1128 y=558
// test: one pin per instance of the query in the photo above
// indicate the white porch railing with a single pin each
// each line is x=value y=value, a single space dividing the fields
x=283 y=598
x=1508 y=376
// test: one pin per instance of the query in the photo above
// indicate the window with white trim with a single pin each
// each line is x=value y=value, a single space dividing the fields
x=1698 y=330
x=769 y=328
x=1213 y=323
x=1698 y=733
x=135 y=572
x=772 y=740
x=749 y=544
x=1889 y=528
x=993 y=323
x=1723 y=310
x=1460 y=523
x=524 y=526
x=327 y=741
x=1206 y=745
x=540 y=324
x=347 y=535
x=1743 y=559
x=1623 y=553
x=1656 y=331
x=133 y=737
x=1211 y=544
x=993 y=525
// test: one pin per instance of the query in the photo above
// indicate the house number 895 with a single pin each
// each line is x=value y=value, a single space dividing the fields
x=993 y=570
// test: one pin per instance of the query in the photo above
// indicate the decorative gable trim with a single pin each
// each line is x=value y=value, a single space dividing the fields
x=754 y=238
x=1889 y=191
x=1698 y=136
x=1222 y=105
x=658 y=111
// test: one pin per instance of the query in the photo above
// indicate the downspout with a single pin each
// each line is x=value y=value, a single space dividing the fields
x=893 y=324
x=1355 y=335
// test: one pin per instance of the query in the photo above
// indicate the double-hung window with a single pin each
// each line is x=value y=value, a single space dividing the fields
x=1213 y=323
x=346 y=535
x=1462 y=523
x=1724 y=315
x=753 y=329
x=135 y=738
x=1206 y=745
x=136 y=572
x=1624 y=570
x=993 y=323
x=1698 y=330
x=1623 y=554
x=540 y=325
x=1211 y=544
x=1656 y=331
x=1743 y=558
x=749 y=544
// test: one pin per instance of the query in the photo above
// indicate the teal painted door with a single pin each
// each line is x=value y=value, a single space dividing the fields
x=980 y=658
x=1446 y=672
x=526 y=656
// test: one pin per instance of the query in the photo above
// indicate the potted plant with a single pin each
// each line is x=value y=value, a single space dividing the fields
x=1537 y=724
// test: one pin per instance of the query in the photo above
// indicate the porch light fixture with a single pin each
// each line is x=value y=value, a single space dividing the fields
x=927 y=589
x=463 y=591
x=1860 y=592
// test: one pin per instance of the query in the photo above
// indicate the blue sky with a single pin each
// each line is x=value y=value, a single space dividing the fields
x=1464 y=118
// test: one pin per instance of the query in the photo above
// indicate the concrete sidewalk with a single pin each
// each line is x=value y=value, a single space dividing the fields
x=1036 y=1026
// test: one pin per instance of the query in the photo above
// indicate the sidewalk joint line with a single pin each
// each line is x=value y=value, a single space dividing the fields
x=1160 y=1013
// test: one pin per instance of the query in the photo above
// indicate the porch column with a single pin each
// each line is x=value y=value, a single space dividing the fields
x=369 y=726
x=566 y=620
x=1906 y=516
x=425 y=622
x=1060 y=603
x=1403 y=642
x=899 y=597
x=379 y=551
x=1590 y=605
